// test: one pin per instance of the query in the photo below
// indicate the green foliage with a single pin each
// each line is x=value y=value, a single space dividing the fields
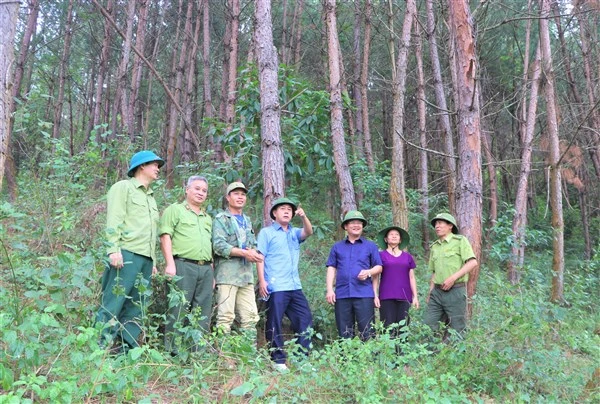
x=518 y=349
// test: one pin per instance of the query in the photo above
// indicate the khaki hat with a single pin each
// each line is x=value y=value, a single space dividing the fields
x=404 y=237
x=235 y=185
x=354 y=215
x=283 y=201
x=446 y=217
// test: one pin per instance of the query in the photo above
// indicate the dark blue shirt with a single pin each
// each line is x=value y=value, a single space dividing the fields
x=349 y=259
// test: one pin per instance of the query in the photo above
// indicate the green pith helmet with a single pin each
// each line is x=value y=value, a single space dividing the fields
x=143 y=157
x=404 y=237
x=235 y=185
x=447 y=217
x=283 y=201
x=354 y=215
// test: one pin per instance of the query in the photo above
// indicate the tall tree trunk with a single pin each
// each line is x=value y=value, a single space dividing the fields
x=588 y=35
x=120 y=103
x=190 y=143
x=357 y=142
x=297 y=31
x=270 y=129
x=102 y=74
x=364 y=87
x=145 y=119
x=469 y=184
x=397 y=192
x=63 y=71
x=519 y=225
x=208 y=110
x=136 y=76
x=423 y=161
x=493 y=182
x=558 y=261
x=340 y=157
x=444 y=114
x=285 y=38
x=232 y=69
x=10 y=168
x=174 y=117
x=9 y=13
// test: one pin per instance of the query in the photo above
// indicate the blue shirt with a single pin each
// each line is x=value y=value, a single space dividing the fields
x=281 y=250
x=349 y=259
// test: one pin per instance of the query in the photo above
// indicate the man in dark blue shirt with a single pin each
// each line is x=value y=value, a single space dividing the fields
x=354 y=264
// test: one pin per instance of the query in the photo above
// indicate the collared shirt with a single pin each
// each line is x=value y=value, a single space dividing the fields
x=227 y=234
x=190 y=231
x=131 y=219
x=447 y=256
x=349 y=259
x=281 y=250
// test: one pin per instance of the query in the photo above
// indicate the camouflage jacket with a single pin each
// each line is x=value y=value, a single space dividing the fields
x=226 y=234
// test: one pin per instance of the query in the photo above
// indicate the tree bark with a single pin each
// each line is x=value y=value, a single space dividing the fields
x=297 y=31
x=340 y=157
x=357 y=139
x=208 y=110
x=364 y=87
x=469 y=184
x=271 y=144
x=397 y=192
x=232 y=68
x=9 y=13
x=63 y=71
x=102 y=74
x=423 y=160
x=136 y=75
x=558 y=260
x=443 y=114
x=519 y=225
x=173 y=113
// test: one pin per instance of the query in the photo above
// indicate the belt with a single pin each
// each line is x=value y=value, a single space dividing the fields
x=456 y=285
x=197 y=262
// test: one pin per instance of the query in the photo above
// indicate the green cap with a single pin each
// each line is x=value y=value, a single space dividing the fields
x=354 y=215
x=404 y=237
x=447 y=217
x=283 y=201
x=235 y=185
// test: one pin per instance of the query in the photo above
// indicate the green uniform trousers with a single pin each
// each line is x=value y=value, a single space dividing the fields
x=196 y=283
x=122 y=303
x=452 y=304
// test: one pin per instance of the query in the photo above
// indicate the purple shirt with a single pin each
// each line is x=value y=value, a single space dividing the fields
x=395 y=278
x=349 y=259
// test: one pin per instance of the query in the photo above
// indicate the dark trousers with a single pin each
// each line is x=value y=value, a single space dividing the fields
x=293 y=304
x=355 y=310
x=394 y=312
x=450 y=305
x=121 y=297
x=196 y=283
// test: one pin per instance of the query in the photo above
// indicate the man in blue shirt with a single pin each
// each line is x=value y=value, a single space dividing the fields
x=354 y=264
x=278 y=278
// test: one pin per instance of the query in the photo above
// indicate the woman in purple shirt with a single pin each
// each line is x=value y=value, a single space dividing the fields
x=398 y=287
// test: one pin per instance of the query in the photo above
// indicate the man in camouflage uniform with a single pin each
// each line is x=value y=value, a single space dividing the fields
x=234 y=246
x=451 y=260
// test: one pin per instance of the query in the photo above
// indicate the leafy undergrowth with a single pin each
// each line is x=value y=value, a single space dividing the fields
x=520 y=348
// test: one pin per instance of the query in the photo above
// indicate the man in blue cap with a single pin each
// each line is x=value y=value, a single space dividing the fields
x=279 y=280
x=131 y=233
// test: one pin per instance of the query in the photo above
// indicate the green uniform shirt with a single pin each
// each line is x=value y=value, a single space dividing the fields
x=448 y=256
x=226 y=234
x=131 y=219
x=190 y=232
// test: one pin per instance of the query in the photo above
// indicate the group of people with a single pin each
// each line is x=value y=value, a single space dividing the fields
x=206 y=255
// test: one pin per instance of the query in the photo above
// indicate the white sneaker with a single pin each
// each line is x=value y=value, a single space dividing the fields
x=280 y=367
